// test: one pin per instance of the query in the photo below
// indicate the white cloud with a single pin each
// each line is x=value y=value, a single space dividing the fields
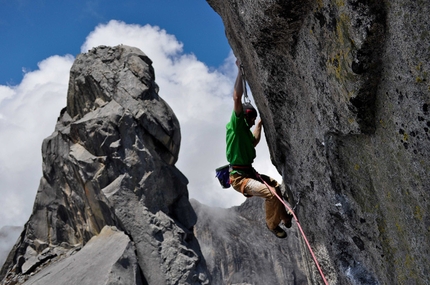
x=161 y=47
x=200 y=97
x=5 y=93
x=28 y=113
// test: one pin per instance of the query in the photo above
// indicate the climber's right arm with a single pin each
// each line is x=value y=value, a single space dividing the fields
x=238 y=92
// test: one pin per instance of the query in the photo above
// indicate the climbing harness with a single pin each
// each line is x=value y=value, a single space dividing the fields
x=298 y=225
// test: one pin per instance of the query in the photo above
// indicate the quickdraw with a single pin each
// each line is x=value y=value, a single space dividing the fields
x=245 y=98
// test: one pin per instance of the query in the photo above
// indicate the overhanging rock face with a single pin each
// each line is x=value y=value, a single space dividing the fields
x=102 y=167
x=343 y=90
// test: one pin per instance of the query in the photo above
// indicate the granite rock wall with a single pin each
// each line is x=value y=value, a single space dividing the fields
x=343 y=90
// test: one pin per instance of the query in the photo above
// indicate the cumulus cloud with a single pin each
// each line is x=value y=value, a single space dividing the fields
x=28 y=113
x=200 y=97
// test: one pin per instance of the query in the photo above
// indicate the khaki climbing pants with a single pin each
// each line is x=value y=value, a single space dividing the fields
x=250 y=186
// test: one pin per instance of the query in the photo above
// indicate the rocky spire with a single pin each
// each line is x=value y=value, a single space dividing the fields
x=109 y=168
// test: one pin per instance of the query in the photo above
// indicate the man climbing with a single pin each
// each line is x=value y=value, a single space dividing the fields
x=240 y=150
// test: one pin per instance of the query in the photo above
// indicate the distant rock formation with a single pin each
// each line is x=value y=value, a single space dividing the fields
x=102 y=213
x=239 y=249
x=343 y=89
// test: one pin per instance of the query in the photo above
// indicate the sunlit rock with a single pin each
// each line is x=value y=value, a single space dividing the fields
x=110 y=162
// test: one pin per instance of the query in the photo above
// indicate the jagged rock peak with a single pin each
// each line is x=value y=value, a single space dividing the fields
x=125 y=75
x=101 y=174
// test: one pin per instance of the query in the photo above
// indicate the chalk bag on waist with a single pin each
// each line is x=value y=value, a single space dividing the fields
x=223 y=175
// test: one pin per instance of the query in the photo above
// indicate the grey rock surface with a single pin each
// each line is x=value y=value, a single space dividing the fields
x=108 y=258
x=343 y=91
x=103 y=165
x=239 y=249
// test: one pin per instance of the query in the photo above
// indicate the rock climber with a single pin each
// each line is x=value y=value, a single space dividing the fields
x=241 y=153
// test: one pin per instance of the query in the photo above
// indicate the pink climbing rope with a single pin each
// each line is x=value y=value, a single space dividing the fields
x=298 y=225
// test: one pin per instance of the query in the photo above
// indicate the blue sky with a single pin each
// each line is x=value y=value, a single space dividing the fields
x=194 y=68
x=32 y=30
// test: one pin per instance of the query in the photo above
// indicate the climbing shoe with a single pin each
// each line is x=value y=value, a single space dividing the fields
x=287 y=222
x=280 y=233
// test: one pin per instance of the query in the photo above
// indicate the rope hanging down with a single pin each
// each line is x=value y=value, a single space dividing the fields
x=299 y=226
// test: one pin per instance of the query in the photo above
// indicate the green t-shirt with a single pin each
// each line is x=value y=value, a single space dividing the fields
x=240 y=141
